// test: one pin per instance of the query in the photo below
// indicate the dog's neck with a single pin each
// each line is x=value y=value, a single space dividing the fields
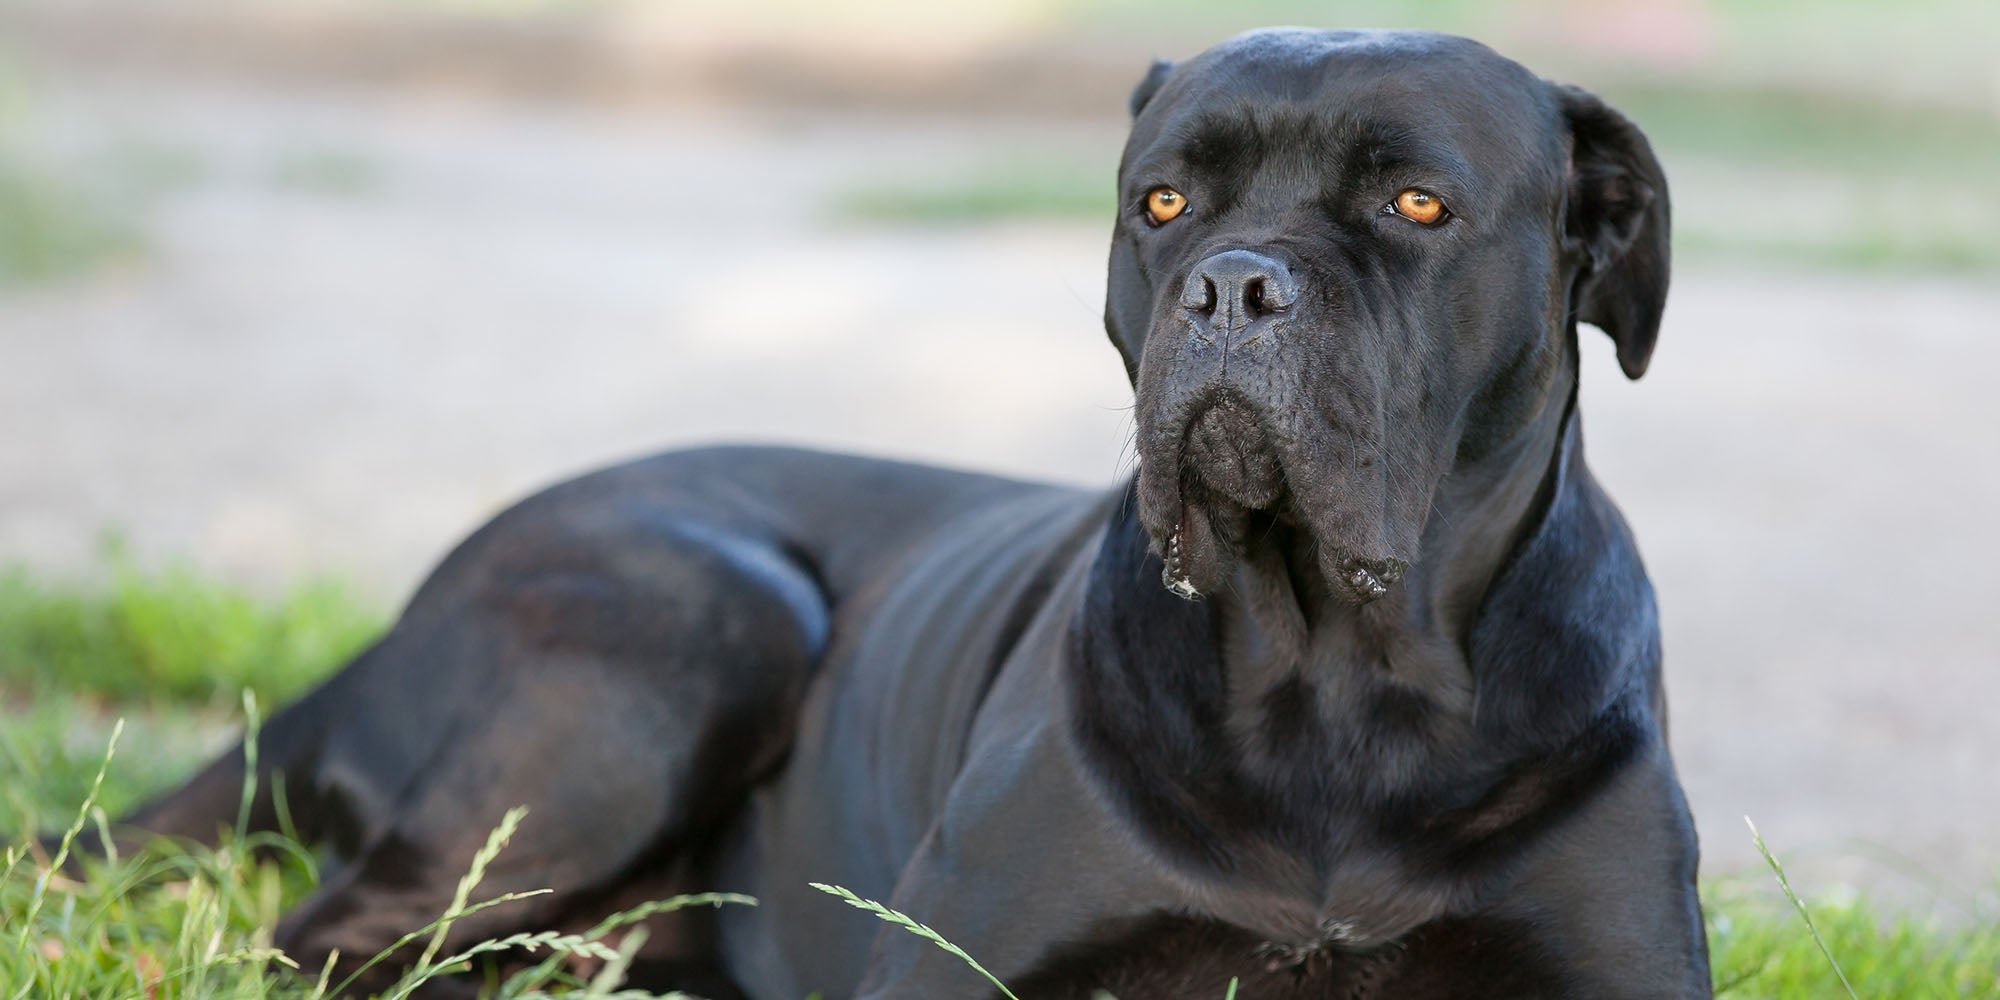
x=1277 y=618
x=1281 y=735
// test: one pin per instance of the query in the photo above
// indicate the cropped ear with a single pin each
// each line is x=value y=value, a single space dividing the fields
x=1617 y=229
x=1156 y=75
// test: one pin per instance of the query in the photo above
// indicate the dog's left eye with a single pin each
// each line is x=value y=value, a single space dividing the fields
x=1419 y=206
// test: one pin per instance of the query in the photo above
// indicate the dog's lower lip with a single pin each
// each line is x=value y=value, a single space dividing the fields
x=1356 y=579
x=1174 y=573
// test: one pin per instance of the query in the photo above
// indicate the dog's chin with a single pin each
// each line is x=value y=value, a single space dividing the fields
x=1226 y=498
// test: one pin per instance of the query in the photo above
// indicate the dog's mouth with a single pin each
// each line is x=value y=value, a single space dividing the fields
x=1229 y=486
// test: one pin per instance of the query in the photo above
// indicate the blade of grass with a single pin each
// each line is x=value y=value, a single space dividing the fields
x=1799 y=905
x=541 y=973
x=383 y=955
x=668 y=905
x=56 y=863
x=904 y=921
x=495 y=843
x=612 y=975
x=252 y=723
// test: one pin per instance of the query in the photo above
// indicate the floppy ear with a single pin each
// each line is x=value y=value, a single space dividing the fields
x=1616 y=227
x=1156 y=75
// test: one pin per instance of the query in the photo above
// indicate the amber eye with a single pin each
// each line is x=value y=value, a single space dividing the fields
x=1421 y=207
x=1164 y=204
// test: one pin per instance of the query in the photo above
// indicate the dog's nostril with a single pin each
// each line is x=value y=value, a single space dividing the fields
x=1253 y=296
x=1198 y=295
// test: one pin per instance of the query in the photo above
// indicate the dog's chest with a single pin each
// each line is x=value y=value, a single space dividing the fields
x=1186 y=959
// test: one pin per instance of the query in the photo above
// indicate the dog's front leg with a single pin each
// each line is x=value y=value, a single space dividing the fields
x=1609 y=896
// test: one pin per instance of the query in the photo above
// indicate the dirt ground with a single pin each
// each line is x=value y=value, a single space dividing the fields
x=343 y=375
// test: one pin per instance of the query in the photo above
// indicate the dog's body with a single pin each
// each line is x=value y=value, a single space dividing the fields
x=1411 y=744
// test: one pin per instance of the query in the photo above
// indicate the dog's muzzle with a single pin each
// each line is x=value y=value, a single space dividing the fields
x=1222 y=456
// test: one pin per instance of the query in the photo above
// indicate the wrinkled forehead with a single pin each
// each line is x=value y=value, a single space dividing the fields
x=1444 y=104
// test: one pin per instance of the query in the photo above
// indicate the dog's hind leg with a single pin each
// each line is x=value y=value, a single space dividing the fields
x=625 y=678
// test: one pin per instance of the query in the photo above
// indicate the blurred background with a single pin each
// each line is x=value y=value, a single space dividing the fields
x=294 y=293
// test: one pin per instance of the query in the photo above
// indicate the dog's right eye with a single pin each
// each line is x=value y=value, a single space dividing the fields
x=1164 y=204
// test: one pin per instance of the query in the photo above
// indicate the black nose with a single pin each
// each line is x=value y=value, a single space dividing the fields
x=1233 y=289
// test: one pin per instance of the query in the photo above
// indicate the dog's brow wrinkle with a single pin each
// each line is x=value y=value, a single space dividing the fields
x=1220 y=149
x=1381 y=147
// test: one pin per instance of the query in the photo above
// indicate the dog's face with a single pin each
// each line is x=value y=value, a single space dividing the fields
x=1347 y=263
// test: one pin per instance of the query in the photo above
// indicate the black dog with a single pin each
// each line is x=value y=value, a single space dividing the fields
x=1407 y=741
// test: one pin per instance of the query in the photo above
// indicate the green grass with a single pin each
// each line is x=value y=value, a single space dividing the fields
x=50 y=745
x=185 y=646
x=187 y=922
x=173 y=635
x=196 y=923
x=1761 y=949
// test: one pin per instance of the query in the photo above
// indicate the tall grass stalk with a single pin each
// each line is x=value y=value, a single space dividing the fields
x=904 y=921
x=1799 y=905
x=41 y=893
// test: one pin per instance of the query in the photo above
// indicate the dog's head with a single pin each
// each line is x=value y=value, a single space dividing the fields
x=1346 y=264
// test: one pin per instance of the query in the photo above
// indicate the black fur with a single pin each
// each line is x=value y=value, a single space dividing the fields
x=1407 y=745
